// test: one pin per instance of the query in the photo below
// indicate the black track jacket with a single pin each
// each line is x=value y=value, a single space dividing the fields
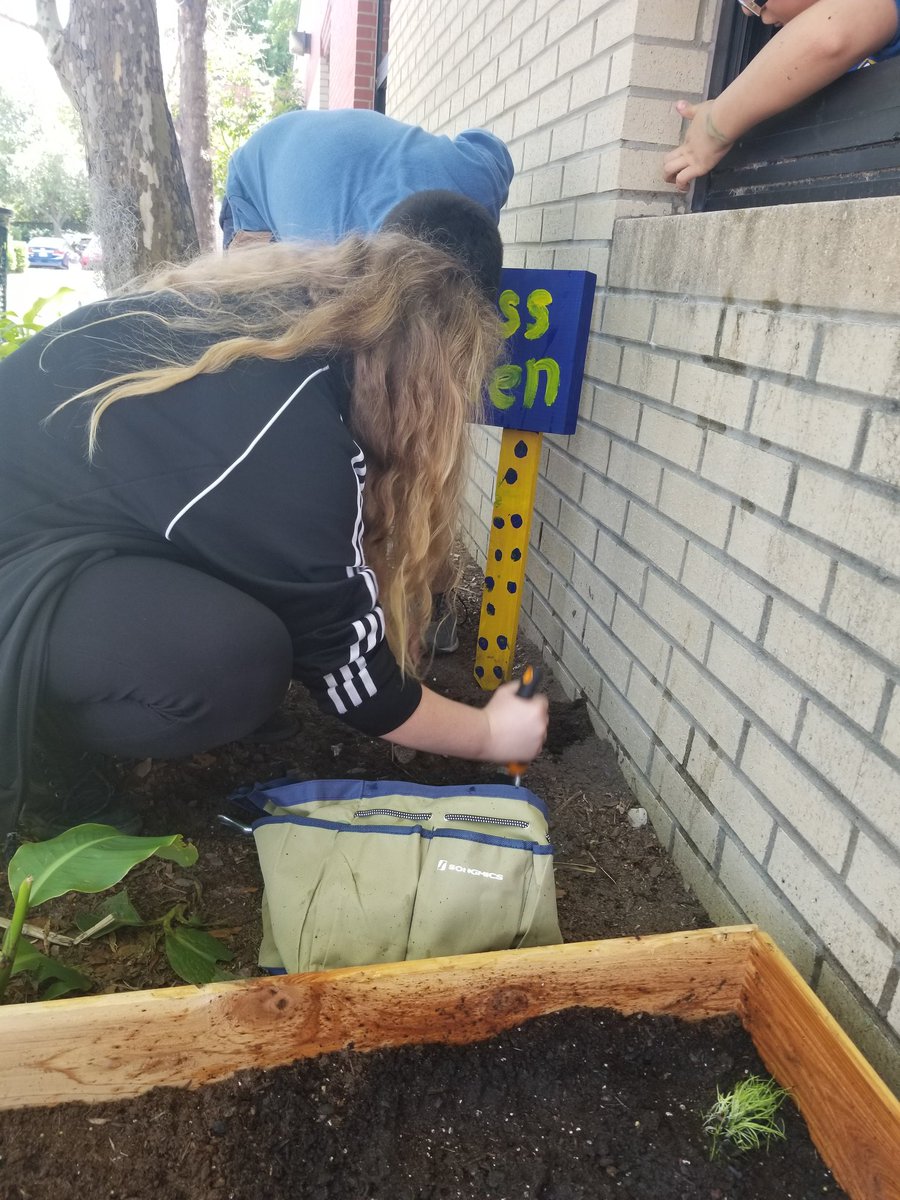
x=251 y=475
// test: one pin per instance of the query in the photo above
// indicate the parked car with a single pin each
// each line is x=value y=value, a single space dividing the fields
x=50 y=252
x=92 y=255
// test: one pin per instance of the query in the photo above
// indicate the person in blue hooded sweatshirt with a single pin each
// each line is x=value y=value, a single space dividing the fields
x=320 y=175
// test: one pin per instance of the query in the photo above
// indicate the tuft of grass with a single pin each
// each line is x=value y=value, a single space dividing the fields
x=745 y=1118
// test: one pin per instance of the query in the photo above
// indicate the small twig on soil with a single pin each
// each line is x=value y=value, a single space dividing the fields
x=101 y=924
x=43 y=935
x=567 y=866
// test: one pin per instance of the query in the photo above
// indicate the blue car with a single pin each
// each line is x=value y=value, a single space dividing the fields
x=50 y=252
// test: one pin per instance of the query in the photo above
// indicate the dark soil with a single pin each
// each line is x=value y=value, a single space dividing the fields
x=582 y=1105
x=612 y=880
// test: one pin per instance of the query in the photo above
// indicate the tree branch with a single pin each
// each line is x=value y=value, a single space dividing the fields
x=49 y=27
x=16 y=21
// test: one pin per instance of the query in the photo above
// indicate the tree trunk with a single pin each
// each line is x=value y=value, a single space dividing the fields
x=108 y=61
x=193 y=117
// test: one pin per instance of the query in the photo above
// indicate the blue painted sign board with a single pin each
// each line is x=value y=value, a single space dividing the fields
x=547 y=316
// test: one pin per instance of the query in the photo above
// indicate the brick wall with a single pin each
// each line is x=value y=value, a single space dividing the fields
x=340 y=72
x=715 y=562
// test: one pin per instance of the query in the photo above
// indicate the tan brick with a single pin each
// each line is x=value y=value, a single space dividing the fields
x=718 y=395
x=681 y=325
x=615 y=22
x=562 y=16
x=535 y=150
x=614 y=662
x=559 y=223
x=651 y=120
x=764 y=906
x=546 y=185
x=578 y=528
x=575 y=50
x=695 y=507
x=603 y=504
x=582 y=668
x=655 y=539
x=679 y=69
x=658 y=712
x=806 y=421
x=590 y=446
x=748 y=674
x=619 y=565
x=671 y=437
x=567 y=606
x=862 y=1024
x=547 y=623
x=851 y=939
x=594 y=219
x=891 y=735
x=826 y=663
x=699 y=695
x=869 y=782
x=564 y=472
x=727 y=593
x=881 y=456
x=627 y=316
x=605 y=121
x=780 y=559
x=568 y=138
x=862 y=358
x=715 y=898
x=874 y=877
x=594 y=588
x=580 y=176
x=692 y=817
x=673 y=21
x=590 y=83
x=647 y=373
x=868 y=610
x=556 y=550
x=640 y=638
x=752 y=474
x=626 y=729
x=554 y=101
x=528 y=225
x=634 y=471
x=861 y=521
x=667 y=606
x=773 y=341
x=778 y=776
x=716 y=777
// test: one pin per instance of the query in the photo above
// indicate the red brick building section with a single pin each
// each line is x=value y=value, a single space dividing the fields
x=342 y=67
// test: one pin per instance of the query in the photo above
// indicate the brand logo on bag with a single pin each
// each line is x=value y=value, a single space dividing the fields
x=443 y=865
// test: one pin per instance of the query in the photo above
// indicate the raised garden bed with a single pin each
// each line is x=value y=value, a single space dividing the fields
x=112 y=1047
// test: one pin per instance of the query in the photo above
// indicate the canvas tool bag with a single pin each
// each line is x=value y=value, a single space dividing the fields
x=362 y=872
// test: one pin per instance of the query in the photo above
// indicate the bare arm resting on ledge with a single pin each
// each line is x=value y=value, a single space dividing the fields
x=821 y=40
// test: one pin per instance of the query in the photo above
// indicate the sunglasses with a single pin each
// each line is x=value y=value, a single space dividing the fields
x=750 y=7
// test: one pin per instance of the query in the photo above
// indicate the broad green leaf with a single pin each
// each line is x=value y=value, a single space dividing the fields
x=62 y=979
x=118 y=906
x=193 y=955
x=89 y=858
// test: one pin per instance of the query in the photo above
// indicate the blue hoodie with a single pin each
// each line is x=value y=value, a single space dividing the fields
x=319 y=175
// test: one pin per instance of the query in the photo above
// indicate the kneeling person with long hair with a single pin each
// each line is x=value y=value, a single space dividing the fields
x=244 y=472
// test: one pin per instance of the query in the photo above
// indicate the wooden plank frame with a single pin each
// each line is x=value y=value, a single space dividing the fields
x=111 y=1047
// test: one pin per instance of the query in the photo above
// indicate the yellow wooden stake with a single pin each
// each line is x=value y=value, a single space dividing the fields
x=504 y=574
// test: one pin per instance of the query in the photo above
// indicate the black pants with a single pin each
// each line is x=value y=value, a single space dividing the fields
x=151 y=659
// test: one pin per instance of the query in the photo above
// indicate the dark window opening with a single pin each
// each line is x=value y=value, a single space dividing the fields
x=843 y=143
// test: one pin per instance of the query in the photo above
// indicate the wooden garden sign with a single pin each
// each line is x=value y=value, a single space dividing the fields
x=535 y=391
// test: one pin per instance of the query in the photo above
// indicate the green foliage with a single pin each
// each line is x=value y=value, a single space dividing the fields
x=15 y=330
x=53 y=978
x=744 y=1118
x=17 y=257
x=92 y=858
x=193 y=954
x=89 y=858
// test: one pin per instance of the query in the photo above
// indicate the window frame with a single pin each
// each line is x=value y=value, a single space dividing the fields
x=843 y=143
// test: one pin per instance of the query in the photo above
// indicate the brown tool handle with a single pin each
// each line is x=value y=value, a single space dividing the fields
x=528 y=685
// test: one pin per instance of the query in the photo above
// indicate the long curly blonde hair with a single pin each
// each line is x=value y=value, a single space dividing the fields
x=422 y=339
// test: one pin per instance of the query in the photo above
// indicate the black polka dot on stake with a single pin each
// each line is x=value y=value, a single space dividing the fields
x=498 y=672
x=498 y=555
x=515 y=520
x=515 y=554
x=520 y=450
x=502 y=641
x=489 y=582
x=479 y=671
x=483 y=643
x=491 y=611
x=511 y=588
x=511 y=475
x=499 y=522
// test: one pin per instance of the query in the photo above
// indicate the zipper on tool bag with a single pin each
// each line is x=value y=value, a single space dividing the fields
x=393 y=812
x=508 y=822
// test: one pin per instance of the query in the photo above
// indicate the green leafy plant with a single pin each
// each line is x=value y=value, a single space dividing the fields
x=15 y=330
x=92 y=858
x=745 y=1118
